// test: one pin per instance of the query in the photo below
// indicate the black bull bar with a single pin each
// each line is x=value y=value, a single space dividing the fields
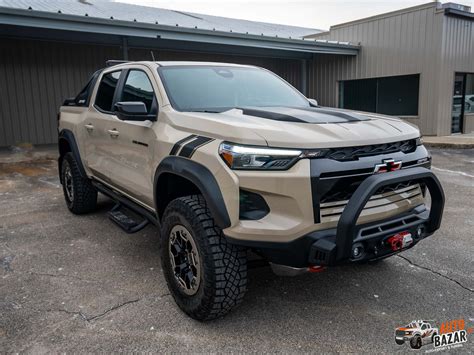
x=339 y=249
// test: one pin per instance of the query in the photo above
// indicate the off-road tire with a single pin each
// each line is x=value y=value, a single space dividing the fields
x=416 y=342
x=399 y=342
x=84 y=193
x=223 y=272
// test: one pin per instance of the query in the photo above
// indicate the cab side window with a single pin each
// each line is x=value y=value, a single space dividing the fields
x=138 y=88
x=105 y=94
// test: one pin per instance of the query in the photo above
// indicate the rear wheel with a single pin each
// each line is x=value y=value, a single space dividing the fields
x=206 y=275
x=80 y=195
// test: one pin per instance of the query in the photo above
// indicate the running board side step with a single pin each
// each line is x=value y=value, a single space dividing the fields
x=127 y=223
x=118 y=215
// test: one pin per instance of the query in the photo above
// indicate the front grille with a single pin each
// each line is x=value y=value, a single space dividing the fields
x=334 y=195
x=352 y=153
x=400 y=333
x=389 y=197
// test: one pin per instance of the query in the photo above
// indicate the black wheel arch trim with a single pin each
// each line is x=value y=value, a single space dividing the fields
x=68 y=136
x=200 y=176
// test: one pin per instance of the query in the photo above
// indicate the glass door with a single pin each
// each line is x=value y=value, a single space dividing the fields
x=458 y=103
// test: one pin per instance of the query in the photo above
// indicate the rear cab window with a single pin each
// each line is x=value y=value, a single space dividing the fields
x=106 y=91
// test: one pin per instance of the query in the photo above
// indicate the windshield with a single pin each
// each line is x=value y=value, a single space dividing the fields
x=219 y=88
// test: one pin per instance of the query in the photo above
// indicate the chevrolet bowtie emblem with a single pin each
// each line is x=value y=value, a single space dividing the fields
x=387 y=165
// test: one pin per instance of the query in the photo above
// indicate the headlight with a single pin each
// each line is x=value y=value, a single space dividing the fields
x=258 y=158
x=419 y=140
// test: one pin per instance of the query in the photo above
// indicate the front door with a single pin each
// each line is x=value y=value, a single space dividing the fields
x=130 y=144
x=458 y=103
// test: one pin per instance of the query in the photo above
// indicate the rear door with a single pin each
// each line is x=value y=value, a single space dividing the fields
x=94 y=126
x=130 y=144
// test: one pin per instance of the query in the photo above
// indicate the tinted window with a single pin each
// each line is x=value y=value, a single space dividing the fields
x=82 y=99
x=359 y=95
x=138 y=88
x=218 y=88
x=469 y=102
x=105 y=93
x=396 y=95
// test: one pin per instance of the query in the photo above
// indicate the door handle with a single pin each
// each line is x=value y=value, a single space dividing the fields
x=89 y=127
x=113 y=133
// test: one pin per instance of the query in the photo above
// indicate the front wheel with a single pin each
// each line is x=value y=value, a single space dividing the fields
x=416 y=342
x=206 y=275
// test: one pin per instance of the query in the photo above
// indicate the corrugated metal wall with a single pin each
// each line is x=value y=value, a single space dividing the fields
x=457 y=55
x=36 y=77
x=405 y=42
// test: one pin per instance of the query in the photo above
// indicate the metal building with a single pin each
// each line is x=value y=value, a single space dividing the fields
x=417 y=63
x=48 y=49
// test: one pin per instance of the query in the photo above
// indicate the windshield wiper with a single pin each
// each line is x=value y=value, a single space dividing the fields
x=206 y=111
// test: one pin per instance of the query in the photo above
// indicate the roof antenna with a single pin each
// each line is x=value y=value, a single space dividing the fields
x=152 y=56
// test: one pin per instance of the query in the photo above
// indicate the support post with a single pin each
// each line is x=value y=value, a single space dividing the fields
x=304 y=77
x=124 y=48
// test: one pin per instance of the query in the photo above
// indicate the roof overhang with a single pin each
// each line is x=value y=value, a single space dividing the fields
x=144 y=32
x=459 y=13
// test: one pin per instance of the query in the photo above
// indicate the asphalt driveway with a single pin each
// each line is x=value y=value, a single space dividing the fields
x=77 y=284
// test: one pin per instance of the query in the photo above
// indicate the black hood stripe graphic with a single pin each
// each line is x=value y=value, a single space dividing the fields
x=313 y=115
x=272 y=115
x=350 y=117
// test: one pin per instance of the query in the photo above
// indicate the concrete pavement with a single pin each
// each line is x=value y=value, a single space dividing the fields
x=79 y=284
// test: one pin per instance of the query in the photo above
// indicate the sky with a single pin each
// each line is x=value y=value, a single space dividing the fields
x=320 y=14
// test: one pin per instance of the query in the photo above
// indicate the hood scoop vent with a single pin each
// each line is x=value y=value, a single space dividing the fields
x=314 y=115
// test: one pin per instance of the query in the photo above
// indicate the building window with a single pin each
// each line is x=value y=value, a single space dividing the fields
x=106 y=91
x=394 y=95
x=469 y=100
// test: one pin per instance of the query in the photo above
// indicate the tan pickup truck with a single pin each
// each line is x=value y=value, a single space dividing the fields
x=230 y=159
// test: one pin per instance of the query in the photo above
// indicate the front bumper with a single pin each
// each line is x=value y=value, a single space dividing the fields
x=336 y=245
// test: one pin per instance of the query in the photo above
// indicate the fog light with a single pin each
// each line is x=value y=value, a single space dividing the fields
x=252 y=206
x=357 y=251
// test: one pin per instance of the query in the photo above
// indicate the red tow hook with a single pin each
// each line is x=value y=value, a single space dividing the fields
x=399 y=241
x=316 y=268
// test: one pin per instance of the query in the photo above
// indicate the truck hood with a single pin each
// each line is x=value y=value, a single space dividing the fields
x=312 y=127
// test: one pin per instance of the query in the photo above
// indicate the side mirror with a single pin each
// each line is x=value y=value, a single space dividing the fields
x=133 y=111
x=313 y=102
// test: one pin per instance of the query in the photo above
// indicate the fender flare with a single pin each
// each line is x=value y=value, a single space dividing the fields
x=200 y=176
x=68 y=136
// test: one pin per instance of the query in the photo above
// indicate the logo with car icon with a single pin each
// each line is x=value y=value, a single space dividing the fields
x=418 y=333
